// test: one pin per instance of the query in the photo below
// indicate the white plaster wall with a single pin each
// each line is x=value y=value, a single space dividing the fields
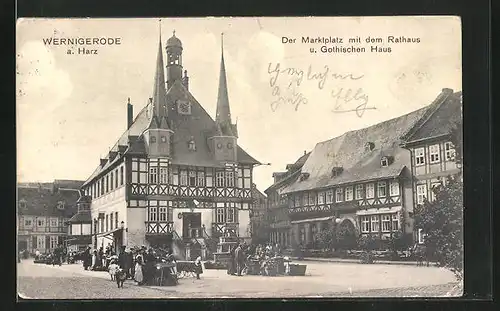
x=135 y=236
x=86 y=229
x=111 y=202
x=75 y=229
x=244 y=223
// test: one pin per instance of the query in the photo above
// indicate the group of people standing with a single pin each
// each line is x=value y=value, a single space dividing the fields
x=241 y=253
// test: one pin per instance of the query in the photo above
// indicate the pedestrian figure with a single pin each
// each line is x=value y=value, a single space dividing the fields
x=138 y=276
x=198 y=267
x=240 y=258
x=87 y=259
x=232 y=262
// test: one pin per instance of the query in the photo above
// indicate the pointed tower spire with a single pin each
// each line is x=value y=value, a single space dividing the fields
x=159 y=109
x=223 y=114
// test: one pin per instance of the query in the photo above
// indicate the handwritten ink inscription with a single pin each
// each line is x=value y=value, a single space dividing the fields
x=286 y=82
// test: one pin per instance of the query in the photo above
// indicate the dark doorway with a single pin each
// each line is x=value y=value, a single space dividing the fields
x=22 y=245
x=191 y=225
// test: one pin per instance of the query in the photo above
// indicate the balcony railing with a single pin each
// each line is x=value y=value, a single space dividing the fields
x=229 y=229
x=157 y=227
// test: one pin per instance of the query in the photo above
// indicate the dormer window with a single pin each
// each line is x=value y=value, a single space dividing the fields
x=191 y=145
x=336 y=171
x=60 y=205
x=153 y=139
x=22 y=204
x=304 y=176
x=384 y=162
x=369 y=146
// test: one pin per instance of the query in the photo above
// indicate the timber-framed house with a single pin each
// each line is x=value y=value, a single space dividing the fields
x=176 y=177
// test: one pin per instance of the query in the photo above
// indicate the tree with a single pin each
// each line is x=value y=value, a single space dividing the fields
x=327 y=238
x=346 y=236
x=442 y=221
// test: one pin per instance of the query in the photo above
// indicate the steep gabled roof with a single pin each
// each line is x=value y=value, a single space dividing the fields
x=293 y=171
x=349 y=152
x=439 y=120
x=44 y=202
x=82 y=217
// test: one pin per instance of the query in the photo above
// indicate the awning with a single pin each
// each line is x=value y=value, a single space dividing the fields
x=108 y=233
x=377 y=211
x=311 y=220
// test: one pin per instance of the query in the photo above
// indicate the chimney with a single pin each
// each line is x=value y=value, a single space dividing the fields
x=305 y=152
x=130 y=114
x=447 y=91
x=185 y=79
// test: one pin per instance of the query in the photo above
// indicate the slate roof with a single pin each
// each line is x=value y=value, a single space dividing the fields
x=81 y=217
x=43 y=202
x=439 y=121
x=293 y=171
x=348 y=152
x=198 y=126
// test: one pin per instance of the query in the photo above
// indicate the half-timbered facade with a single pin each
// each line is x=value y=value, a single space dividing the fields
x=80 y=226
x=42 y=212
x=176 y=174
x=363 y=179
x=431 y=148
x=258 y=216
x=278 y=211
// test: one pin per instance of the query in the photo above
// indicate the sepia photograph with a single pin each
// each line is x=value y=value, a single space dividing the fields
x=239 y=157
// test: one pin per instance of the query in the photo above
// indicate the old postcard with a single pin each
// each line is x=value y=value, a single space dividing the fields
x=239 y=157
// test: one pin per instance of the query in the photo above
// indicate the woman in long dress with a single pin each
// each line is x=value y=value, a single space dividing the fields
x=138 y=276
x=94 y=259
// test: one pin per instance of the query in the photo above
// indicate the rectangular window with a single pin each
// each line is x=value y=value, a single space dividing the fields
x=192 y=178
x=40 y=242
x=421 y=193
x=419 y=156
x=395 y=222
x=229 y=178
x=152 y=213
x=348 y=193
x=434 y=187
x=112 y=180
x=230 y=215
x=102 y=186
x=339 y=195
x=321 y=197
x=116 y=219
x=163 y=214
x=107 y=224
x=365 y=224
x=297 y=200
x=53 y=241
x=219 y=179
x=116 y=178
x=381 y=189
x=183 y=177
x=201 y=179
x=220 y=215
x=329 y=196
x=421 y=236
x=163 y=175
x=107 y=183
x=370 y=191
x=434 y=153
x=305 y=199
x=28 y=223
x=312 y=198
x=153 y=175
x=53 y=222
x=40 y=222
x=449 y=151
x=386 y=223
x=111 y=222
x=394 y=188
x=375 y=223
x=121 y=175
x=359 y=192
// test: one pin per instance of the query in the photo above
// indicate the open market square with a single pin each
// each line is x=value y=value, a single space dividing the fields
x=322 y=279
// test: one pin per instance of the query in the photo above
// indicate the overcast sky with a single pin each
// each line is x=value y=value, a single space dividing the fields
x=72 y=108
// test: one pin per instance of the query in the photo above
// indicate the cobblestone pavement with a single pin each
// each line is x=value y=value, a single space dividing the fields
x=322 y=280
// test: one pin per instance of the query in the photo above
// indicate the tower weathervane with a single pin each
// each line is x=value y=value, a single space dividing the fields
x=173 y=33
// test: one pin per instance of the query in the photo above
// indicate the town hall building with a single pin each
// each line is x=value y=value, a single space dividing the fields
x=176 y=177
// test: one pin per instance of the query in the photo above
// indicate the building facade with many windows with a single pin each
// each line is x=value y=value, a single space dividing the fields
x=176 y=175
x=278 y=211
x=370 y=179
x=42 y=213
